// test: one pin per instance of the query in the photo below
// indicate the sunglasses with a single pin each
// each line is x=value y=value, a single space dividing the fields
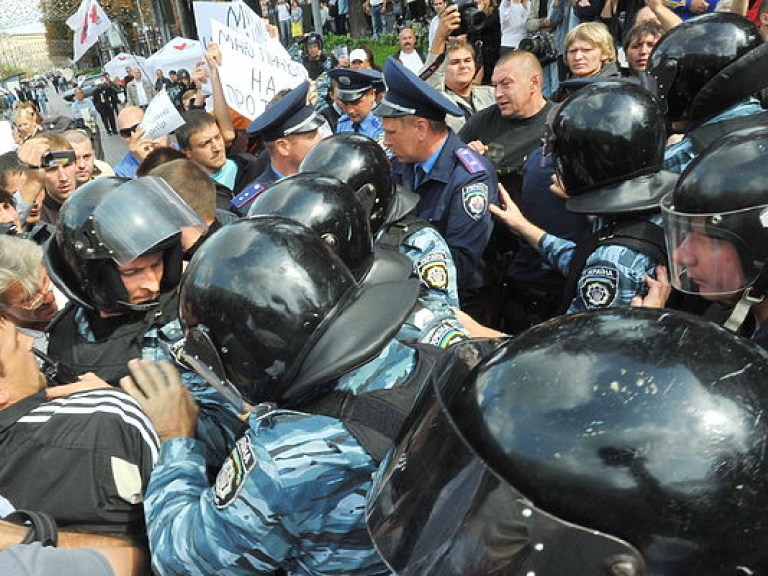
x=128 y=132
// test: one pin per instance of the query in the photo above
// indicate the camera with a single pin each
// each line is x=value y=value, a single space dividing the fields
x=540 y=45
x=472 y=18
x=54 y=158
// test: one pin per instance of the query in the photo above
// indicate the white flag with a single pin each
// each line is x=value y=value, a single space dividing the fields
x=88 y=22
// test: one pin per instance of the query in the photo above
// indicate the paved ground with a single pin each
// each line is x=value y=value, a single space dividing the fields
x=114 y=147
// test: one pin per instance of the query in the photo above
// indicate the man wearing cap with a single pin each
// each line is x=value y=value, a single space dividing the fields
x=455 y=184
x=289 y=129
x=357 y=97
x=358 y=59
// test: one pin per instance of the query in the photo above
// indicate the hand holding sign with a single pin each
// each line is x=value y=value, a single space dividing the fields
x=161 y=117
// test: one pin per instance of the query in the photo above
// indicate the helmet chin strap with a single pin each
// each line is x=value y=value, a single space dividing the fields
x=141 y=307
x=752 y=296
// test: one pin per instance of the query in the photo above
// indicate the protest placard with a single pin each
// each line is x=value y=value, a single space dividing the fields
x=252 y=73
x=161 y=117
x=236 y=15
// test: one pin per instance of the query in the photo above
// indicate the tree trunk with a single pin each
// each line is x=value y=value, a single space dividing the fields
x=357 y=26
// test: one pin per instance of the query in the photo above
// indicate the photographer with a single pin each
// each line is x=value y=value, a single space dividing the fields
x=454 y=77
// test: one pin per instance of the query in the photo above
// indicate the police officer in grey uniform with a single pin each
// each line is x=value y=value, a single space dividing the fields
x=454 y=183
x=289 y=129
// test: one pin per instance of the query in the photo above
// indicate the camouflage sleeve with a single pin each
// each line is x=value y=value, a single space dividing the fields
x=612 y=276
x=218 y=424
x=433 y=263
x=291 y=493
x=558 y=252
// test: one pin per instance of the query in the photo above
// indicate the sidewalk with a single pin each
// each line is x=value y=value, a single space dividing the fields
x=114 y=146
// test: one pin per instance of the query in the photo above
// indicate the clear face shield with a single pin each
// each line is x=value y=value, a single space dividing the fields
x=138 y=216
x=709 y=254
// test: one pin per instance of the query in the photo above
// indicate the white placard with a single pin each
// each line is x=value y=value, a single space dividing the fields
x=161 y=117
x=252 y=73
x=236 y=15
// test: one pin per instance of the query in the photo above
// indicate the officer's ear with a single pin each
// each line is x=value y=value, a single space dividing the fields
x=282 y=146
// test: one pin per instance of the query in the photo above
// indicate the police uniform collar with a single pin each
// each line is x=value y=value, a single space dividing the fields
x=409 y=95
x=289 y=115
x=351 y=85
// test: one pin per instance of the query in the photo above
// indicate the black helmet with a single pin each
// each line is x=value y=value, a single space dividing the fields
x=329 y=207
x=719 y=205
x=362 y=164
x=272 y=315
x=708 y=63
x=110 y=222
x=619 y=442
x=604 y=135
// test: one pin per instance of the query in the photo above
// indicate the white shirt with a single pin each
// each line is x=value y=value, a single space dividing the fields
x=141 y=95
x=412 y=61
x=283 y=13
x=513 y=18
x=433 y=24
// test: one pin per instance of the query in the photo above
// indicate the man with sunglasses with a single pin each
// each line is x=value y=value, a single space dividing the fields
x=128 y=122
x=54 y=155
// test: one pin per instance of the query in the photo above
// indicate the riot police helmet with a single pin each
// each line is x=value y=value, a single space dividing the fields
x=273 y=315
x=708 y=63
x=110 y=222
x=716 y=219
x=603 y=136
x=363 y=165
x=329 y=207
x=617 y=442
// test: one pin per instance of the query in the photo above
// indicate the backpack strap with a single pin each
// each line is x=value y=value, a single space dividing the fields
x=704 y=135
x=395 y=233
x=375 y=418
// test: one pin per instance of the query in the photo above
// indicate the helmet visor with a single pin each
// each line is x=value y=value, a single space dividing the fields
x=139 y=216
x=709 y=253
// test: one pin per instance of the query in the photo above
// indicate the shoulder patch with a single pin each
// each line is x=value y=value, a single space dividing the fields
x=470 y=160
x=433 y=270
x=474 y=198
x=249 y=193
x=234 y=472
x=598 y=286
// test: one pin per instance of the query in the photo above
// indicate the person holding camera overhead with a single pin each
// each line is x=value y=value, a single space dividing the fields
x=454 y=78
x=52 y=154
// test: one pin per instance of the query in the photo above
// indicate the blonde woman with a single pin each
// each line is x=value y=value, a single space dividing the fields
x=589 y=51
x=26 y=122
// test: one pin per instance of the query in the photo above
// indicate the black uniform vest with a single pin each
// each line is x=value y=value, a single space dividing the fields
x=107 y=357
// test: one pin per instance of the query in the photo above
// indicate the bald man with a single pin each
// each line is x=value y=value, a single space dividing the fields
x=138 y=147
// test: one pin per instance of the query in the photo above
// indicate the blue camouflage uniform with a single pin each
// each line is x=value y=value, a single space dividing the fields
x=289 y=115
x=455 y=185
x=612 y=274
x=291 y=493
x=432 y=263
x=678 y=156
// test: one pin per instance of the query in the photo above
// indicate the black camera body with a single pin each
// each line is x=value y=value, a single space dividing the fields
x=540 y=45
x=472 y=17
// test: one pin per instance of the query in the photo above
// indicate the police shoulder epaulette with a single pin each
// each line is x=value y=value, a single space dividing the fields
x=470 y=160
x=248 y=194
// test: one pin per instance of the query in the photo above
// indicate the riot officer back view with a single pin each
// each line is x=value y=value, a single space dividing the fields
x=117 y=256
x=607 y=142
x=707 y=71
x=643 y=457
x=361 y=163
